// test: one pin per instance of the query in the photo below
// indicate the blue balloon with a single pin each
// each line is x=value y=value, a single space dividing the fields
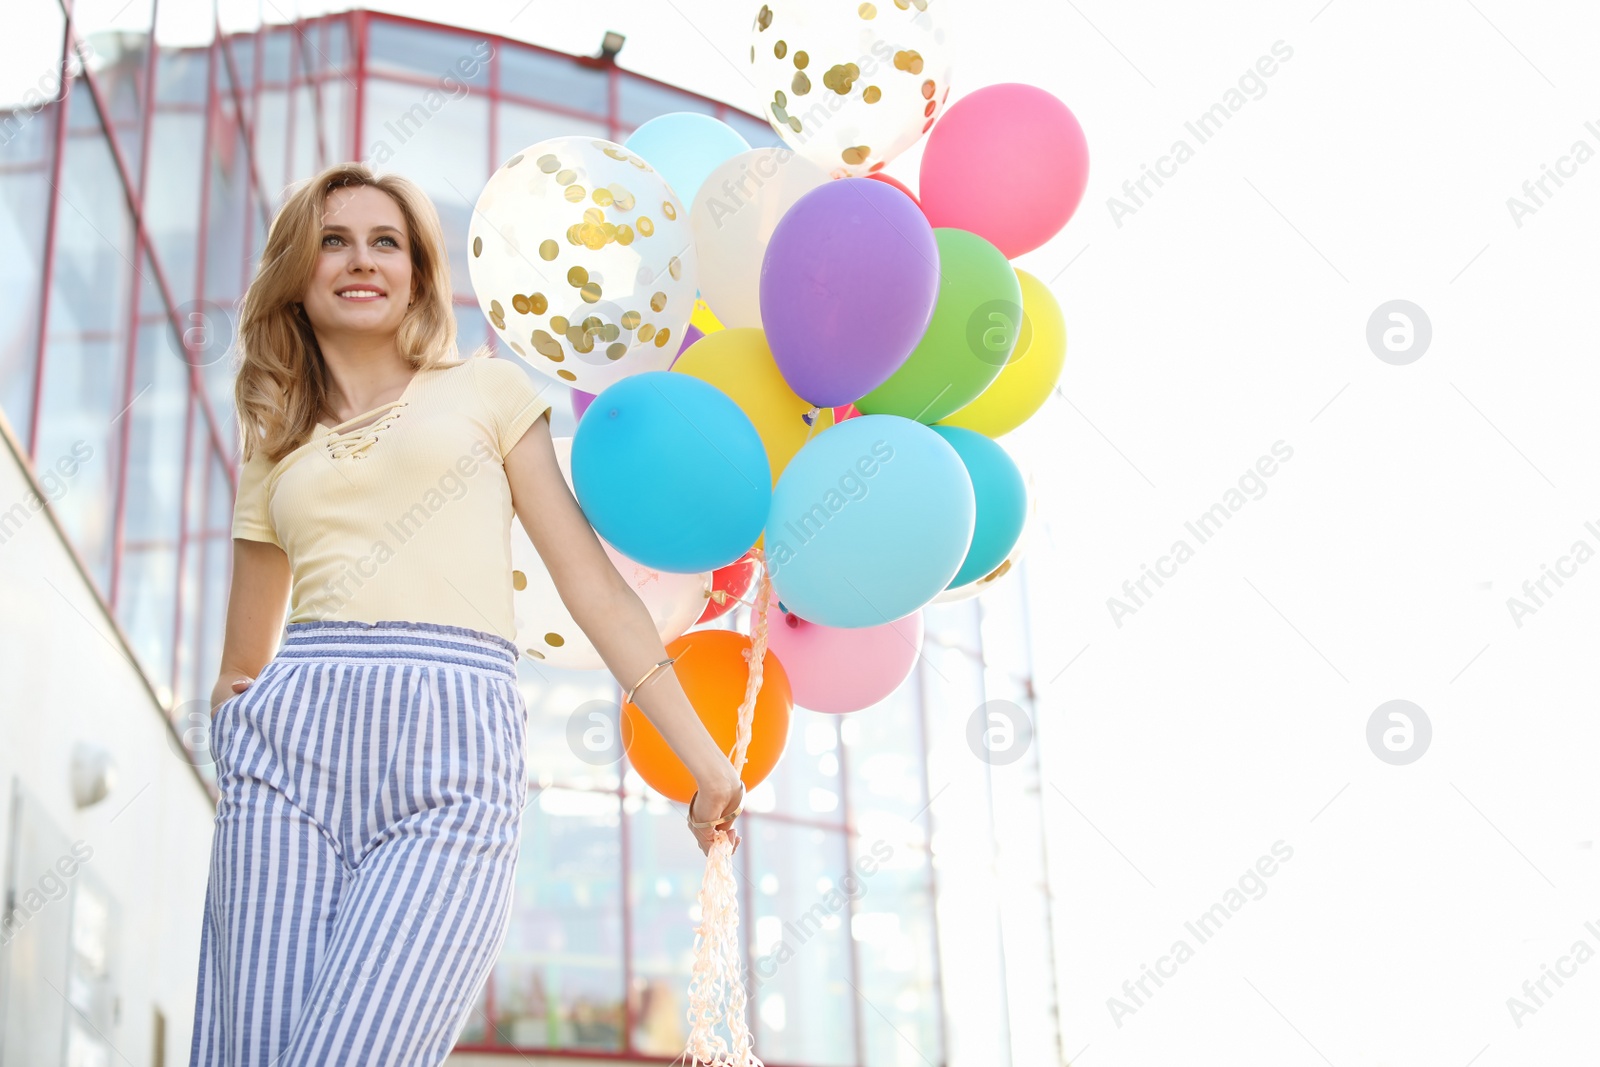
x=685 y=147
x=1002 y=500
x=671 y=472
x=870 y=521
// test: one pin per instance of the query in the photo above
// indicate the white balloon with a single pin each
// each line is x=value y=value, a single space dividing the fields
x=545 y=628
x=582 y=259
x=733 y=216
x=851 y=85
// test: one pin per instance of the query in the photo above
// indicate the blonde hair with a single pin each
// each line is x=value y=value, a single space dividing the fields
x=281 y=387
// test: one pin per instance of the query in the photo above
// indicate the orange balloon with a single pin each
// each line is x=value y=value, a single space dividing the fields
x=713 y=671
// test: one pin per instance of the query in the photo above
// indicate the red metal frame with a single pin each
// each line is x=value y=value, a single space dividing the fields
x=202 y=438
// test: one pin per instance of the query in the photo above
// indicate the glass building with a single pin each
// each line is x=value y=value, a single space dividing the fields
x=136 y=186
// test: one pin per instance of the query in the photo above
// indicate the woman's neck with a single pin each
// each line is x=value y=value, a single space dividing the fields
x=364 y=373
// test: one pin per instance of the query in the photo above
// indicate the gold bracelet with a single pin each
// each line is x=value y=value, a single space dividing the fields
x=628 y=699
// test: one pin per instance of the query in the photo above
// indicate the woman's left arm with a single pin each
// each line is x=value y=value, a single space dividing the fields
x=613 y=617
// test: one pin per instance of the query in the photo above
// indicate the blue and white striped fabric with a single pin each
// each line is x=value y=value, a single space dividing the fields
x=373 y=779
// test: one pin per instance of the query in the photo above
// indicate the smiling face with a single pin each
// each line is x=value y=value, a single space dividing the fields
x=362 y=283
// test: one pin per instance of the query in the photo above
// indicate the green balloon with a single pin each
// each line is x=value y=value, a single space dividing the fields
x=976 y=321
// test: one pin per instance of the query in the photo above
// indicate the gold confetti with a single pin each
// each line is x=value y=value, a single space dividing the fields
x=590 y=293
x=548 y=250
x=646 y=227
x=549 y=164
x=574 y=193
x=477 y=246
x=577 y=276
x=658 y=302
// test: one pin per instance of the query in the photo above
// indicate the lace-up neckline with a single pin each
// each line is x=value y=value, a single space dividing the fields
x=354 y=442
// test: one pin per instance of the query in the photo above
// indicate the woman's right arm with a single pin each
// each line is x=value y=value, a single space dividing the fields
x=257 y=601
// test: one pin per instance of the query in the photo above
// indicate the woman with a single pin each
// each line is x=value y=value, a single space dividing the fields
x=372 y=768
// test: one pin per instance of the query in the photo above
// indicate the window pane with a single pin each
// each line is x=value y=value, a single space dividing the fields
x=800 y=930
x=441 y=143
x=242 y=49
x=805 y=783
x=172 y=198
x=119 y=33
x=894 y=931
x=639 y=101
x=663 y=891
x=558 y=982
x=539 y=76
x=521 y=127
x=272 y=137
x=86 y=349
x=28 y=133
x=887 y=794
x=225 y=221
x=303 y=164
x=558 y=696
x=431 y=53
x=276 y=46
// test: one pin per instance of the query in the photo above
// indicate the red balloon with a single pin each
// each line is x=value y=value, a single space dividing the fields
x=733 y=582
x=843 y=412
x=880 y=177
x=1007 y=162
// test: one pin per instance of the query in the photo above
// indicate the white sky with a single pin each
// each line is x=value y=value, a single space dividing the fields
x=1228 y=313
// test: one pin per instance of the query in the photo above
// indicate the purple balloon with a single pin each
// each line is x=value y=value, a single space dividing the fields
x=848 y=287
x=580 y=403
x=690 y=336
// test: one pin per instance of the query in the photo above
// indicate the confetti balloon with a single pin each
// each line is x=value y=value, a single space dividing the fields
x=851 y=85
x=546 y=631
x=582 y=258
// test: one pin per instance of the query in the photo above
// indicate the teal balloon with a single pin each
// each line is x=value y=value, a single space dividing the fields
x=685 y=147
x=670 y=471
x=1002 y=500
x=869 y=522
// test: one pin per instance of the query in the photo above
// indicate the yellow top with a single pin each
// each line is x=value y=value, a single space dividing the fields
x=408 y=515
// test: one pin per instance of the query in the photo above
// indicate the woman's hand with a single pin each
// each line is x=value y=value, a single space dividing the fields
x=222 y=692
x=719 y=800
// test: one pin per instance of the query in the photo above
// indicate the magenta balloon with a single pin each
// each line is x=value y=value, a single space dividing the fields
x=1007 y=162
x=580 y=403
x=847 y=288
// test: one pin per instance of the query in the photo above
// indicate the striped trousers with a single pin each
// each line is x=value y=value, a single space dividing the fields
x=372 y=783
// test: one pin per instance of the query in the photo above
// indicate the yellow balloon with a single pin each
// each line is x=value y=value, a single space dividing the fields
x=1024 y=384
x=701 y=318
x=738 y=362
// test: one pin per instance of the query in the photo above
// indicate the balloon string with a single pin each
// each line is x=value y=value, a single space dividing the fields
x=716 y=981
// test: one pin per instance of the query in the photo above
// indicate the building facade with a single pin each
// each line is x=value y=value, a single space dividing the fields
x=137 y=180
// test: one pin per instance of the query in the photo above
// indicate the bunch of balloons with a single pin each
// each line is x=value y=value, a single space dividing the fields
x=788 y=366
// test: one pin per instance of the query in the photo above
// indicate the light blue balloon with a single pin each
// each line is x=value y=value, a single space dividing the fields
x=685 y=147
x=869 y=522
x=670 y=471
x=1002 y=500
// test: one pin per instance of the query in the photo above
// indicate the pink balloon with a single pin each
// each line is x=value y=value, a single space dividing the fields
x=1007 y=162
x=839 y=670
x=580 y=402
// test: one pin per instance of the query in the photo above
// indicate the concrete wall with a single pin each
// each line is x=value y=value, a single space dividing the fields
x=67 y=677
